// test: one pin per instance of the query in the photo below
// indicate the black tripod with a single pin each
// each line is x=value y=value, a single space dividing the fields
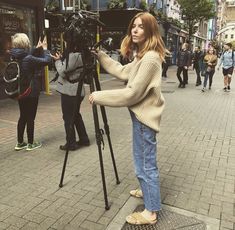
x=90 y=74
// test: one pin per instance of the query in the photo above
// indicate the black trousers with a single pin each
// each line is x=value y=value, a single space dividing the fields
x=28 y=109
x=68 y=104
x=164 y=69
x=197 y=69
x=181 y=69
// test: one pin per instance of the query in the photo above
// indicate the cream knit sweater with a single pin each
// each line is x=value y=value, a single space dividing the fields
x=142 y=94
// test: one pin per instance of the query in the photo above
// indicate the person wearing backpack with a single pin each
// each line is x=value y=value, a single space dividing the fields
x=228 y=61
x=69 y=67
x=29 y=66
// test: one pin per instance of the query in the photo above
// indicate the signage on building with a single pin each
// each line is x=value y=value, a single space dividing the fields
x=6 y=11
x=10 y=24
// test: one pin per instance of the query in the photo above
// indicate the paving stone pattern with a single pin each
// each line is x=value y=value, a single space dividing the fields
x=196 y=158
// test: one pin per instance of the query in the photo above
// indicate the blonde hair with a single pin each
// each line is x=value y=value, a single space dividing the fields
x=152 y=34
x=211 y=48
x=20 y=40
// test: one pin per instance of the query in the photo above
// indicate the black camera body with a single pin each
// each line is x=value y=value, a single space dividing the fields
x=80 y=30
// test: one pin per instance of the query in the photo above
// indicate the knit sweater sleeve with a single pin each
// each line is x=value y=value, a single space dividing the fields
x=113 y=67
x=136 y=90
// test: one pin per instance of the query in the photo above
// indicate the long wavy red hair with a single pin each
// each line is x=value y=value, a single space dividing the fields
x=152 y=35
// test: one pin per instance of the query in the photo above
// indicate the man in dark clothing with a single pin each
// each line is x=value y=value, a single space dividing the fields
x=197 y=63
x=183 y=62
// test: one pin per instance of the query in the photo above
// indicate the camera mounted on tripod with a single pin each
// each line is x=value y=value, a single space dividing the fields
x=80 y=30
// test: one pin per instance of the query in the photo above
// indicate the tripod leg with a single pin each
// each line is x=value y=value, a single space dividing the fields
x=99 y=140
x=64 y=167
x=107 y=131
x=78 y=97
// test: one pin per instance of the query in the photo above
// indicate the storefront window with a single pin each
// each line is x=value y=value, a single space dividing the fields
x=14 y=19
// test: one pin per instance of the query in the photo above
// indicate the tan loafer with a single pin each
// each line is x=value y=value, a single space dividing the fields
x=137 y=218
x=136 y=193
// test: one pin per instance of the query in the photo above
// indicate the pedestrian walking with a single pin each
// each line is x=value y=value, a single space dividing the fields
x=145 y=102
x=166 y=64
x=183 y=63
x=67 y=85
x=197 y=60
x=227 y=59
x=210 y=61
x=30 y=65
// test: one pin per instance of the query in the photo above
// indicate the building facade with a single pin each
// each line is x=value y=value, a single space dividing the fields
x=229 y=33
x=230 y=11
x=226 y=22
x=221 y=19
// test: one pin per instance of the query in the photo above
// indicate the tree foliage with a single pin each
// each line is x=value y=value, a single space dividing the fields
x=143 y=5
x=85 y=5
x=195 y=11
x=117 y=4
x=233 y=43
x=53 y=5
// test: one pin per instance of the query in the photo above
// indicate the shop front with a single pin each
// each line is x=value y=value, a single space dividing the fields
x=172 y=42
x=18 y=16
x=199 y=41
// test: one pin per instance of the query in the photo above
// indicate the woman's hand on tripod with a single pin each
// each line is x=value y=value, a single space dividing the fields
x=94 y=52
x=91 y=99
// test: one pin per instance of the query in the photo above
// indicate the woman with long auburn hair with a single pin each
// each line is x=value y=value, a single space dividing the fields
x=143 y=97
x=152 y=35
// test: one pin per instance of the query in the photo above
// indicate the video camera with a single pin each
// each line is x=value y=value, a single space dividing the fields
x=80 y=29
x=80 y=32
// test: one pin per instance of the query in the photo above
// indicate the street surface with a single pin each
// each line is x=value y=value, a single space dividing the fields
x=196 y=158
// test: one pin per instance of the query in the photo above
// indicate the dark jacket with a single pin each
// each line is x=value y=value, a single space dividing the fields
x=31 y=66
x=197 y=59
x=184 y=58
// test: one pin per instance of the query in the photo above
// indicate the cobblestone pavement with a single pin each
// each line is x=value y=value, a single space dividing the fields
x=196 y=157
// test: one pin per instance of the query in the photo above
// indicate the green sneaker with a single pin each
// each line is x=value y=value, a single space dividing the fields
x=20 y=146
x=33 y=146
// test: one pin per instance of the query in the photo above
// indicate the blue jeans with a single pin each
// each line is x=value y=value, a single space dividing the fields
x=144 y=152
